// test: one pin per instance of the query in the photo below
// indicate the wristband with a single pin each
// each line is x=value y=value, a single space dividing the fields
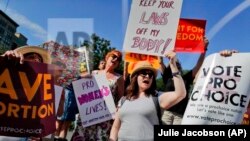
x=174 y=74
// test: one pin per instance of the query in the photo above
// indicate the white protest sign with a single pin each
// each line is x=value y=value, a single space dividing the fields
x=152 y=26
x=221 y=93
x=94 y=99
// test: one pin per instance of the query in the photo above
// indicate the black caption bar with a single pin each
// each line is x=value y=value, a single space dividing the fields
x=228 y=132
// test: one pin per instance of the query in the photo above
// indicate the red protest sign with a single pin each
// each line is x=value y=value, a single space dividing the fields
x=26 y=99
x=190 y=35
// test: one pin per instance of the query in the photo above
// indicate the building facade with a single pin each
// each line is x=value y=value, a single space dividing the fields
x=9 y=39
x=20 y=40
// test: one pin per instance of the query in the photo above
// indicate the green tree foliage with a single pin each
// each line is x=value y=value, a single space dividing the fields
x=160 y=85
x=2 y=50
x=98 y=48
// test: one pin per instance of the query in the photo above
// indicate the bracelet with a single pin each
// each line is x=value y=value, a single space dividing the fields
x=174 y=74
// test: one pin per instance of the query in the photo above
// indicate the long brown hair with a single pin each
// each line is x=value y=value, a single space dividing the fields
x=133 y=88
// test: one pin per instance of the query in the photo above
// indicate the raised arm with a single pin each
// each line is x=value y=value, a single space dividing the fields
x=201 y=58
x=168 y=99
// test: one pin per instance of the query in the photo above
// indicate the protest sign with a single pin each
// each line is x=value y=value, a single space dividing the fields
x=221 y=93
x=94 y=99
x=190 y=35
x=58 y=94
x=152 y=26
x=133 y=58
x=74 y=62
x=27 y=101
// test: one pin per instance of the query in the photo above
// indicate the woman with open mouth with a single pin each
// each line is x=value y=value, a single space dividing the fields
x=137 y=112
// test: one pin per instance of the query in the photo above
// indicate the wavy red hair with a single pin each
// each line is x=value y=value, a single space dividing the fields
x=116 y=52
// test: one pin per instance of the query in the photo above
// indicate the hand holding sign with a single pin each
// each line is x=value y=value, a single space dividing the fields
x=172 y=57
x=227 y=53
x=221 y=93
x=94 y=99
x=12 y=54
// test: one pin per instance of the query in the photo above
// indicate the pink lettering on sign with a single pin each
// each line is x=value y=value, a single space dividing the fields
x=155 y=18
x=150 y=44
x=166 y=4
x=141 y=31
x=154 y=32
x=97 y=94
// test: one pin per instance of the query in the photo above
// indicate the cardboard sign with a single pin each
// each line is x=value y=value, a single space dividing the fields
x=94 y=100
x=190 y=35
x=221 y=93
x=152 y=27
x=133 y=58
x=27 y=101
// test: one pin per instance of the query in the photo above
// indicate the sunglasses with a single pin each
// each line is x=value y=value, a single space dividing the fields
x=115 y=57
x=145 y=73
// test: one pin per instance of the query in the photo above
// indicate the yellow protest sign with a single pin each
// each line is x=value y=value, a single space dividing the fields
x=132 y=58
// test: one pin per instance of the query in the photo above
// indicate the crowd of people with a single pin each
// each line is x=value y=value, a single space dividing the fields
x=137 y=102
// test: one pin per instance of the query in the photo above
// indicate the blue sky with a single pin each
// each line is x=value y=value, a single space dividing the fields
x=228 y=27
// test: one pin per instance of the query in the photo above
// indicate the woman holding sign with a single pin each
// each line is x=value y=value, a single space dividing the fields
x=174 y=114
x=101 y=131
x=137 y=115
x=31 y=54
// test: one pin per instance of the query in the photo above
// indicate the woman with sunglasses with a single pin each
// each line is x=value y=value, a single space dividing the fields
x=137 y=115
x=101 y=131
